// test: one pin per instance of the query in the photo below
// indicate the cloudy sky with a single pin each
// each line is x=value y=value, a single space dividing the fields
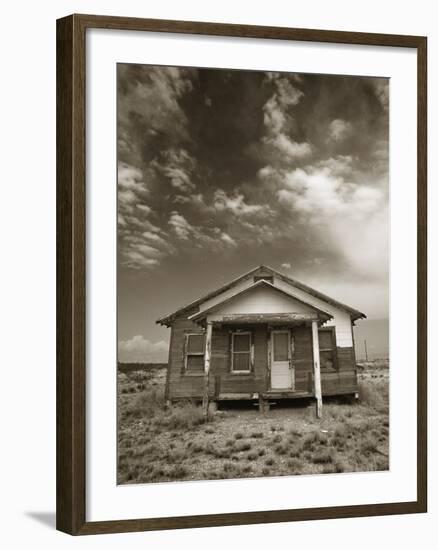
x=220 y=171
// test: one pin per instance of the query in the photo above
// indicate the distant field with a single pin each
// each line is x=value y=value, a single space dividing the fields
x=158 y=443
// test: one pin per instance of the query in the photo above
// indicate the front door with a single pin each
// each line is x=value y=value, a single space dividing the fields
x=282 y=377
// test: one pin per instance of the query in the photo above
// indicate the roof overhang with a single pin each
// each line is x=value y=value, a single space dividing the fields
x=354 y=313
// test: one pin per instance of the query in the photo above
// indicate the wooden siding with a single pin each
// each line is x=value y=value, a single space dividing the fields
x=341 y=319
x=180 y=384
x=222 y=381
x=263 y=300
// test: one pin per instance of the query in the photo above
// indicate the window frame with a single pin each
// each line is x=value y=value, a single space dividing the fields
x=251 y=352
x=333 y=349
x=198 y=353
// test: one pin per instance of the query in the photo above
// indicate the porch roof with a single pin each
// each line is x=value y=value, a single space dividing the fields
x=264 y=318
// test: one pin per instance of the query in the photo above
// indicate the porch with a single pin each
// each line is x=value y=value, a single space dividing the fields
x=272 y=357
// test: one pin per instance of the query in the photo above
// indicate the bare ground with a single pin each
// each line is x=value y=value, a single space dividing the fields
x=158 y=443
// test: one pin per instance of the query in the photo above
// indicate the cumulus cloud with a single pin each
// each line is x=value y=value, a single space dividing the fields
x=288 y=148
x=320 y=191
x=178 y=166
x=278 y=119
x=227 y=239
x=142 y=244
x=129 y=177
x=236 y=204
x=199 y=235
x=139 y=349
x=339 y=129
x=144 y=208
x=181 y=226
x=149 y=108
x=341 y=165
x=353 y=217
x=381 y=88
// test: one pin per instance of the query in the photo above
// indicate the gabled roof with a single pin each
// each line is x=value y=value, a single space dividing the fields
x=265 y=271
x=199 y=315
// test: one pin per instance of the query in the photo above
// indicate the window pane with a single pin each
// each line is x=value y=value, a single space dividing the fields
x=281 y=342
x=242 y=342
x=325 y=339
x=241 y=361
x=326 y=359
x=195 y=363
x=195 y=343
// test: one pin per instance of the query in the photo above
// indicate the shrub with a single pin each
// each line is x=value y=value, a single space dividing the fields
x=178 y=472
x=186 y=417
x=295 y=465
x=242 y=447
x=315 y=438
x=280 y=449
x=238 y=435
x=295 y=452
x=372 y=394
x=339 y=466
x=323 y=456
x=257 y=435
x=369 y=445
x=147 y=404
x=269 y=461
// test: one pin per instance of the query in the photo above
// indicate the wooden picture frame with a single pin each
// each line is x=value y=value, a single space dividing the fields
x=71 y=272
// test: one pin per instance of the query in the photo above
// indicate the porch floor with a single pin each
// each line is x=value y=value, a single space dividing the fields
x=270 y=394
x=285 y=394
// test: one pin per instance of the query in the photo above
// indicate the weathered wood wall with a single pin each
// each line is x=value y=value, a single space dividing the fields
x=181 y=384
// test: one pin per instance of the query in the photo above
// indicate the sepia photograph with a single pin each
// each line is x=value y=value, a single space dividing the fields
x=252 y=274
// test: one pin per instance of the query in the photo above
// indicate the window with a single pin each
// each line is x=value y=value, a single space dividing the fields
x=195 y=349
x=281 y=346
x=241 y=352
x=327 y=349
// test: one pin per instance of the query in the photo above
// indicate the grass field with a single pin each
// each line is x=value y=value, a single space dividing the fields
x=158 y=443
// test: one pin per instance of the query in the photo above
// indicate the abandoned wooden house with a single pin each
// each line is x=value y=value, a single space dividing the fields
x=263 y=336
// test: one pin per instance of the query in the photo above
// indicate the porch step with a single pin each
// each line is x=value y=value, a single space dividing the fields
x=285 y=394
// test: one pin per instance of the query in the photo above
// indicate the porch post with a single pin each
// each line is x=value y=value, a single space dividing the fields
x=316 y=369
x=207 y=357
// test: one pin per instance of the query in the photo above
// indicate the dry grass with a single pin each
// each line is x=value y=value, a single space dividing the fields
x=157 y=443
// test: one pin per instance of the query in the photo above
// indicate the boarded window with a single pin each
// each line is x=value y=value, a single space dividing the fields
x=281 y=346
x=241 y=351
x=327 y=349
x=195 y=347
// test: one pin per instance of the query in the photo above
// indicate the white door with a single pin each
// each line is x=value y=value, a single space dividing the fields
x=281 y=364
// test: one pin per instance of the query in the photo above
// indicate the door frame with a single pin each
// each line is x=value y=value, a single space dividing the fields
x=290 y=349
